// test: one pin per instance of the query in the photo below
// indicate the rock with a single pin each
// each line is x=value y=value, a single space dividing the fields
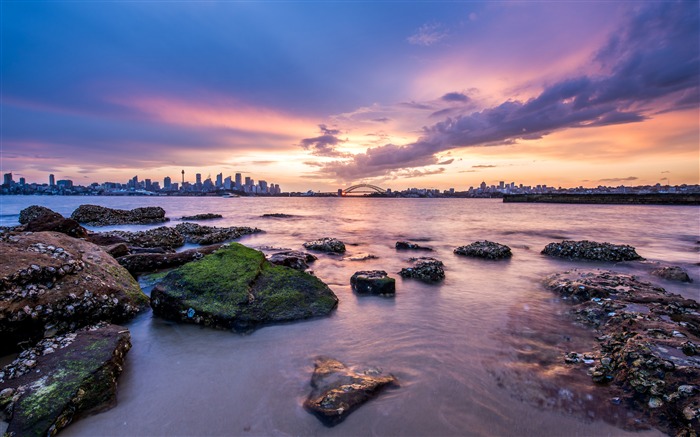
x=237 y=288
x=95 y=215
x=672 y=273
x=55 y=222
x=406 y=245
x=205 y=216
x=206 y=235
x=50 y=282
x=117 y=250
x=292 y=258
x=326 y=244
x=31 y=212
x=164 y=236
x=643 y=334
x=425 y=269
x=373 y=282
x=338 y=391
x=102 y=239
x=77 y=379
x=361 y=257
x=485 y=249
x=277 y=215
x=141 y=263
x=591 y=250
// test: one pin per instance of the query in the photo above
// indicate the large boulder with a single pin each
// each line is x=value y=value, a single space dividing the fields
x=373 y=282
x=139 y=263
x=337 y=390
x=485 y=249
x=237 y=288
x=648 y=344
x=95 y=215
x=326 y=244
x=31 y=212
x=55 y=222
x=163 y=236
x=295 y=259
x=591 y=250
x=61 y=379
x=51 y=283
x=205 y=235
x=425 y=269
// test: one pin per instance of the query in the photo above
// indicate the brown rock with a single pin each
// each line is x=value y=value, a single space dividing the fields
x=141 y=263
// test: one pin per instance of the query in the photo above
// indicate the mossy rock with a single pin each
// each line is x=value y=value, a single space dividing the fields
x=237 y=288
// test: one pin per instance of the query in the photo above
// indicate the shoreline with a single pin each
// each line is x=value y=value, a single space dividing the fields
x=607 y=198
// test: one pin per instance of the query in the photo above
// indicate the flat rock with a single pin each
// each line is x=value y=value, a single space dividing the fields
x=295 y=259
x=205 y=216
x=485 y=249
x=139 y=263
x=672 y=273
x=62 y=379
x=277 y=215
x=373 y=282
x=205 y=235
x=52 y=283
x=407 y=245
x=337 y=390
x=591 y=250
x=237 y=288
x=648 y=344
x=425 y=269
x=95 y=215
x=326 y=244
x=163 y=236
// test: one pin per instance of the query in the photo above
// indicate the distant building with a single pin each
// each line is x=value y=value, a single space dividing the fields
x=167 y=182
x=227 y=183
x=7 y=179
x=219 y=180
x=52 y=180
x=22 y=181
x=65 y=183
x=238 y=181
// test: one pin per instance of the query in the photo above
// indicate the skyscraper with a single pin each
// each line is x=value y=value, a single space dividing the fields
x=198 y=179
x=238 y=181
x=7 y=179
x=219 y=180
x=52 y=180
x=167 y=182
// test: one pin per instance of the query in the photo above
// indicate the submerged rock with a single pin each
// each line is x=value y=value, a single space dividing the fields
x=139 y=263
x=373 y=282
x=361 y=257
x=672 y=273
x=205 y=216
x=95 y=215
x=338 y=391
x=237 y=288
x=52 y=283
x=277 y=215
x=164 y=236
x=292 y=258
x=647 y=343
x=485 y=249
x=425 y=269
x=407 y=245
x=592 y=250
x=63 y=378
x=326 y=244
x=205 y=235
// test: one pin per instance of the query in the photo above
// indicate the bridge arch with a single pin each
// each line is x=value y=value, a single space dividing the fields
x=364 y=188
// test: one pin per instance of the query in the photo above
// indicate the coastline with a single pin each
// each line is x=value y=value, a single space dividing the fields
x=607 y=198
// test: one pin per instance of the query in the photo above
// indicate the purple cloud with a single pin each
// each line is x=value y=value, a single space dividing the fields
x=324 y=144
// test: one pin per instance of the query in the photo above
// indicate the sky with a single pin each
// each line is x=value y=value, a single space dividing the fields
x=322 y=95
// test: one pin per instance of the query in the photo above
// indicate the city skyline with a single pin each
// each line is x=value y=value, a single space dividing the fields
x=439 y=95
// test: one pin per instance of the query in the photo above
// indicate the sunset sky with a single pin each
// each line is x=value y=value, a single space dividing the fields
x=320 y=95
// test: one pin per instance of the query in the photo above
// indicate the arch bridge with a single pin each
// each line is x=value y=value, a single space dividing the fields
x=363 y=188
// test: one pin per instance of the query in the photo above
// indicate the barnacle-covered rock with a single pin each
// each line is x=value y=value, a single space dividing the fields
x=591 y=250
x=485 y=249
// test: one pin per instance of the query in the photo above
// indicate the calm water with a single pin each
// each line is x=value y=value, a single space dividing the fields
x=476 y=355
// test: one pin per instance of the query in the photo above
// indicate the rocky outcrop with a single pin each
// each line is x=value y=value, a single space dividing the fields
x=51 y=283
x=591 y=250
x=205 y=216
x=337 y=391
x=55 y=222
x=164 y=236
x=295 y=259
x=407 y=245
x=326 y=244
x=373 y=282
x=205 y=235
x=425 y=269
x=31 y=212
x=648 y=344
x=485 y=249
x=61 y=379
x=140 y=263
x=95 y=215
x=237 y=288
x=672 y=273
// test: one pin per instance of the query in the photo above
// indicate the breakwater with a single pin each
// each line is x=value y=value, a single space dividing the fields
x=607 y=198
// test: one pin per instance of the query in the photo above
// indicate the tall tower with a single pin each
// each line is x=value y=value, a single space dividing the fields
x=52 y=180
x=183 y=177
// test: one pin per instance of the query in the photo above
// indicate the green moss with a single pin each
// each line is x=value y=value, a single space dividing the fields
x=130 y=287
